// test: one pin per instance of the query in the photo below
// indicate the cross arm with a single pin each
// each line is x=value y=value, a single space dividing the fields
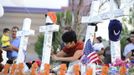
x=103 y=16
x=49 y=28
x=25 y=32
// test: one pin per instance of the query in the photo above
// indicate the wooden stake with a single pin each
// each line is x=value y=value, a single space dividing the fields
x=123 y=70
x=89 y=71
x=6 y=69
x=104 y=70
x=63 y=69
x=20 y=69
x=46 y=69
x=13 y=68
x=76 y=69
x=34 y=69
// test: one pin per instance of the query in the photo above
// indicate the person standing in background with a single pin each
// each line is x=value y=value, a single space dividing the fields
x=5 y=39
x=129 y=48
x=12 y=51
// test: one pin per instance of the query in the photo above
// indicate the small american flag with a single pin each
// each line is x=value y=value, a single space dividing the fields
x=93 y=58
x=90 y=56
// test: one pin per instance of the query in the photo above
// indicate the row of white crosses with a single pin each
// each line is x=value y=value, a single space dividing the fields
x=48 y=32
x=115 y=46
x=99 y=18
x=49 y=29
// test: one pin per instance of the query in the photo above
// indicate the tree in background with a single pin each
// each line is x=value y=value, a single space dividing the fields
x=78 y=9
x=131 y=16
x=124 y=34
x=39 y=45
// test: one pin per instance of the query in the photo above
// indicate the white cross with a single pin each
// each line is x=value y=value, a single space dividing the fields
x=48 y=34
x=4 y=56
x=99 y=18
x=24 y=39
x=103 y=16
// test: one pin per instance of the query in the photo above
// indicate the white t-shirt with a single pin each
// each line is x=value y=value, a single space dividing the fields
x=98 y=46
x=128 y=48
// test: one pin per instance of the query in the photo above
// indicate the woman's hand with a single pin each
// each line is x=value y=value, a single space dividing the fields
x=54 y=57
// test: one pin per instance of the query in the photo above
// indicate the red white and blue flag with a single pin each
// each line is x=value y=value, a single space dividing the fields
x=90 y=56
x=93 y=58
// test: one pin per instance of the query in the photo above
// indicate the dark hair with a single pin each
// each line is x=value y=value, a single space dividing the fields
x=129 y=40
x=69 y=36
x=15 y=27
x=5 y=30
x=99 y=38
x=132 y=32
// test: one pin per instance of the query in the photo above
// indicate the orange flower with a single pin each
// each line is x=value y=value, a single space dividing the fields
x=46 y=69
x=123 y=70
x=104 y=70
x=63 y=69
x=53 y=16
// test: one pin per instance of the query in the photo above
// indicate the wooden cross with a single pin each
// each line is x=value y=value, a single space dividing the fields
x=24 y=39
x=115 y=46
x=48 y=34
x=103 y=16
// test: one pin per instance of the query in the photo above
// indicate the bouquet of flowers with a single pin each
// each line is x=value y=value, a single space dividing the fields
x=118 y=68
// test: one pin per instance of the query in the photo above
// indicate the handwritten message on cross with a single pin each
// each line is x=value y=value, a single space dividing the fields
x=48 y=30
x=24 y=39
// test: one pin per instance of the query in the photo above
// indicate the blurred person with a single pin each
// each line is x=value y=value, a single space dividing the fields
x=98 y=46
x=72 y=50
x=130 y=46
x=107 y=56
x=65 y=29
x=12 y=51
x=5 y=39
